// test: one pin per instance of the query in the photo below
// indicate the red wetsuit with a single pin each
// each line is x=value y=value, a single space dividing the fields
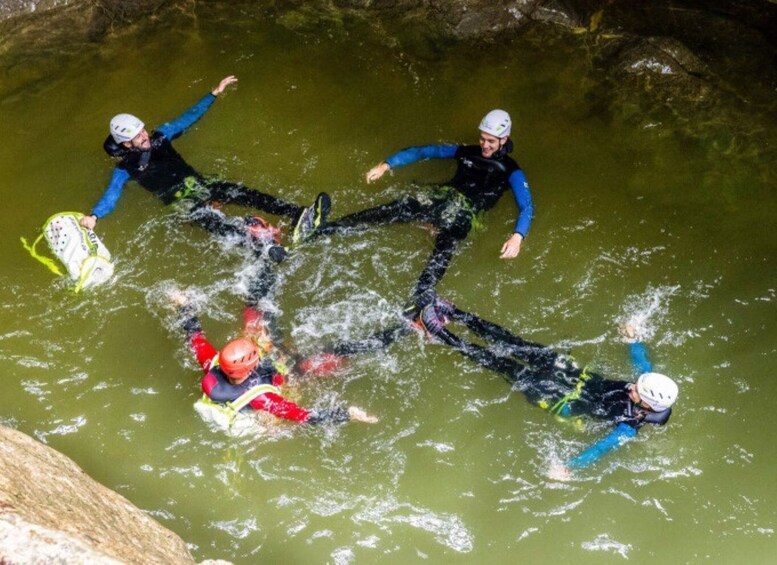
x=219 y=389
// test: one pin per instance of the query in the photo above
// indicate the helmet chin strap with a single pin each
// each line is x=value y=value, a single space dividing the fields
x=145 y=157
x=145 y=154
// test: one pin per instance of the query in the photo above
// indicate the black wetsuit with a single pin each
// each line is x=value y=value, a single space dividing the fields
x=547 y=378
x=164 y=172
x=476 y=186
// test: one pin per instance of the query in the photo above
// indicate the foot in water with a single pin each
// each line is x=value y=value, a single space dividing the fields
x=311 y=219
x=429 y=312
x=431 y=320
x=444 y=308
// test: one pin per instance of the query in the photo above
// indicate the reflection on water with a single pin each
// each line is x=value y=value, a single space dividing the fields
x=456 y=468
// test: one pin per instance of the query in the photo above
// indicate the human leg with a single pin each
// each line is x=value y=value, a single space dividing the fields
x=543 y=382
x=405 y=209
x=305 y=220
x=533 y=353
x=444 y=247
x=335 y=356
x=233 y=193
x=215 y=221
x=375 y=342
x=454 y=225
x=536 y=385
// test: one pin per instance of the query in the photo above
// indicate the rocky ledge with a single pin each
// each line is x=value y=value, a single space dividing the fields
x=53 y=512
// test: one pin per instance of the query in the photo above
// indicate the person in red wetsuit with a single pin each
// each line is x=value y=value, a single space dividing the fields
x=249 y=371
x=244 y=375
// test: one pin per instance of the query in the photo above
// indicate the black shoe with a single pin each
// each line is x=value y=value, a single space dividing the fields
x=443 y=308
x=311 y=219
x=277 y=253
x=431 y=321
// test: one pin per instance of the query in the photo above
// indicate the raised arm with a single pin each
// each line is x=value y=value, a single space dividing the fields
x=202 y=348
x=176 y=127
x=639 y=357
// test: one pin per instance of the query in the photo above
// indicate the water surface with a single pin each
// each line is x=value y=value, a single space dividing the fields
x=631 y=224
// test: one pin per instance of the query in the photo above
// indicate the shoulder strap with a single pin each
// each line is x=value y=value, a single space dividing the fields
x=53 y=267
x=244 y=399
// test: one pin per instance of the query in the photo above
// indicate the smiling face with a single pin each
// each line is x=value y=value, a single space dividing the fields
x=490 y=144
x=141 y=142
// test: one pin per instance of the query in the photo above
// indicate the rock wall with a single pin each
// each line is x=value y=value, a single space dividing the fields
x=14 y=8
x=53 y=512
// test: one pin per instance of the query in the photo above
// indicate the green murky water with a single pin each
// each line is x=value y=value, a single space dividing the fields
x=630 y=224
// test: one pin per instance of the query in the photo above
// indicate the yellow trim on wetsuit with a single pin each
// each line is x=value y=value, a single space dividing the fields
x=574 y=395
x=462 y=201
x=232 y=409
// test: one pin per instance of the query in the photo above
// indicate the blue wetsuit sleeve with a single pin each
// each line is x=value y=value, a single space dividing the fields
x=173 y=129
x=611 y=441
x=523 y=200
x=111 y=196
x=413 y=154
x=639 y=357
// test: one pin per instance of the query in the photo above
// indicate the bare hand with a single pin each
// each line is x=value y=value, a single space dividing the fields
x=377 y=171
x=360 y=415
x=512 y=246
x=225 y=82
x=178 y=298
x=629 y=332
x=88 y=222
x=559 y=472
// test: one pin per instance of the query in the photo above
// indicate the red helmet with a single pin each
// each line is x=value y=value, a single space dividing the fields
x=238 y=358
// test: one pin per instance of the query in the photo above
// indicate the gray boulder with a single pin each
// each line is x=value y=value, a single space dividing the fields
x=51 y=511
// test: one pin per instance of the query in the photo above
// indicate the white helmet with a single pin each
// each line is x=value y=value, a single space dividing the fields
x=496 y=123
x=657 y=391
x=124 y=127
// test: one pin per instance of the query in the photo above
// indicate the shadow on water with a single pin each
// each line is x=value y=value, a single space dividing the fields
x=631 y=225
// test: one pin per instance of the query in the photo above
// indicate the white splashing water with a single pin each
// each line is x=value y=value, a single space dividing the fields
x=646 y=311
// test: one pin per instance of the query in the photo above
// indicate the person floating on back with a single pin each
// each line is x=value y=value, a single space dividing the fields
x=153 y=162
x=483 y=173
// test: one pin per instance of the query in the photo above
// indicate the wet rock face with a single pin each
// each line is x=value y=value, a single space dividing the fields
x=53 y=512
x=116 y=9
x=659 y=72
x=13 y=8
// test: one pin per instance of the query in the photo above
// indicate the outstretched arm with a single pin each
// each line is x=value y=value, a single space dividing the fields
x=411 y=155
x=174 y=128
x=617 y=437
x=637 y=349
x=108 y=200
x=639 y=357
x=202 y=348
x=282 y=408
